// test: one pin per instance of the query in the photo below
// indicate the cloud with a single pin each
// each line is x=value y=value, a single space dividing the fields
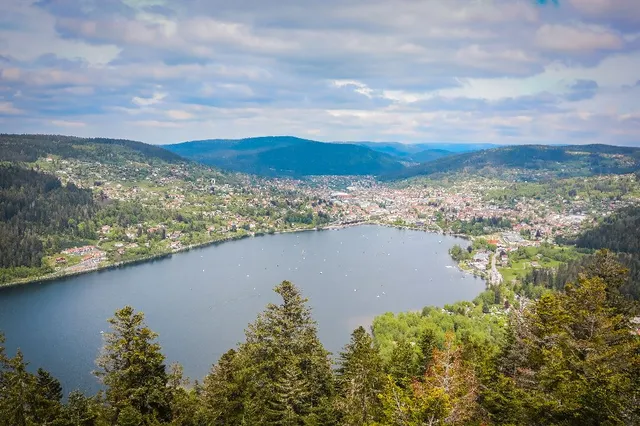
x=9 y=109
x=576 y=39
x=498 y=70
x=156 y=123
x=179 y=115
x=65 y=123
x=143 y=102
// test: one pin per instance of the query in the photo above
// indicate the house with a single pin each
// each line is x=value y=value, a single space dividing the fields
x=60 y=260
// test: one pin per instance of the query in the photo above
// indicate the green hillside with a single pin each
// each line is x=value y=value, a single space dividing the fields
x=534 y=161
x=28 y=148
x=288 y=156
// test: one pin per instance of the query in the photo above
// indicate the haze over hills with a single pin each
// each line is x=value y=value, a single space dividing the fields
x=556 y=161
x=410 y=150
x=288 y=156
x=291 y=156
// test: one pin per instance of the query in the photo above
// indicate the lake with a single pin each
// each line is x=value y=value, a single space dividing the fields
x=201 y=301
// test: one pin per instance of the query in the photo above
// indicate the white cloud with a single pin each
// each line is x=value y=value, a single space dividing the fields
x=143 y=102
x=157 y=123
x=66 y=123
x=362 y=69
x=576 y=38
x=9 y=108
x=176 y=114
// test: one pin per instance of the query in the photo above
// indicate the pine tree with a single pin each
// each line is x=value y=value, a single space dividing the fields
x=18 y=387
x=582 y=359
x=404 y=364
x=360 y=378
x=446 y=395
x=47 y=398
x=184 y=401
x=77 y=411
x=222 y=392
x=283 y=356
x=132 y=368
x=428 y=342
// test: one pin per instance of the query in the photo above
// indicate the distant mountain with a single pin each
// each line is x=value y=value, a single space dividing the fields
x=408 y=150
x=288 y=156
x=28 y=148
x=551 y=161
x=430 y=155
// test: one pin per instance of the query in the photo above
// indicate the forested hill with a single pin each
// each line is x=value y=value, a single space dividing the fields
x=619 y=232
x=542 y=160
x=33 y=204
x=288 y=156
x=28 y=148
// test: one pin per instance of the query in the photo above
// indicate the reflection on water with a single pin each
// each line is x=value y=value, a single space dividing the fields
x=201 y=301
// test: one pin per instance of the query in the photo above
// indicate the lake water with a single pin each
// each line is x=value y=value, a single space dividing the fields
x=201 y=301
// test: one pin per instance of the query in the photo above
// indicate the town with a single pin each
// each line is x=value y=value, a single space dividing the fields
x=194 y=205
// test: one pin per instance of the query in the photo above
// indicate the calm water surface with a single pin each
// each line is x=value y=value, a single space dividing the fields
x=201 y=301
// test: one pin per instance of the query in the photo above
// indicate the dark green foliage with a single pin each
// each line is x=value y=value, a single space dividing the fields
x=28 y=148
x=33 y=204
x=573 y=360
x=78 y=411
x=404 y=362
x=132 y=368
x=18 y=387
x=360 y=379
x=288 y=156
x=280 y=375
x=570 y=358
x=47 y=398
x=479 y=225
x=619 y=232
x=558 y=161
x=222 y=392
x=556 y=279
x=459 y=254
x=287 y=369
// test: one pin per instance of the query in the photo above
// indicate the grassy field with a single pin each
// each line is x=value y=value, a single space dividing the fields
x=525 y=259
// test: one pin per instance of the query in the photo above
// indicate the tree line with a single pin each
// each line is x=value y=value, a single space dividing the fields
x=33 y=204
x=569 y=358
x=619 y=233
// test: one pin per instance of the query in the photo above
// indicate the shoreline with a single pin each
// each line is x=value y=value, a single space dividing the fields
x=150 y=258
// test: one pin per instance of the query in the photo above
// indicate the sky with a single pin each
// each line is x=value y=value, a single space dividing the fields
x=160 y=71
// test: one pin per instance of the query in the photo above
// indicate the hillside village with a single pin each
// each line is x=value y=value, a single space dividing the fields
x=197 y=205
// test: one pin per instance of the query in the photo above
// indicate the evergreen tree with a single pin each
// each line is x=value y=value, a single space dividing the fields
x=580 y=362
x=47 y=398
x=18 y=388
x=446 y=395
x=404 y=364
x=360 y=378
x=286 y=370
x=427 y=344
x=222 y=393
x=184 y=401
x=77 y=411
x=132 y=368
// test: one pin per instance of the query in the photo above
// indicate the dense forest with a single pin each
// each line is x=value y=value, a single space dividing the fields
x=569 y=358
x=28 y=148
x=618 y=232
x=288 y=156
x=33 y=204
x=551 y=161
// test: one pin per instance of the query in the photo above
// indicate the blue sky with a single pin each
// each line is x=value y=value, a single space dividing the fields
x=159 y=71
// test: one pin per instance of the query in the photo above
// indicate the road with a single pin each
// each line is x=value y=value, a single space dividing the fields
x=495 y=277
